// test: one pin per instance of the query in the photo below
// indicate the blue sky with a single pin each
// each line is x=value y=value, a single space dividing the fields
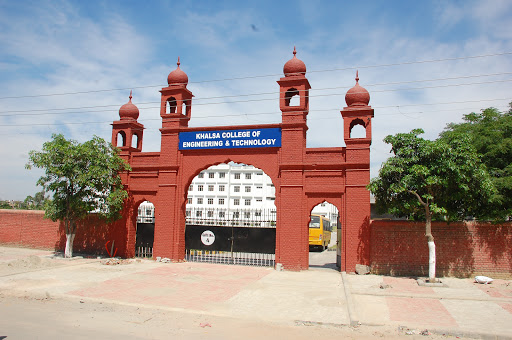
x=52 y=48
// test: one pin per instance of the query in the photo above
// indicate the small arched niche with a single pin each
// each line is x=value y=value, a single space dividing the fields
x=171 y=105
x=292 y=97
x=135 y=140
x=121 y=139
x=357 y=129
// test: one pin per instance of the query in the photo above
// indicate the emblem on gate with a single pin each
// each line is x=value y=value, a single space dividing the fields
x=207 y=237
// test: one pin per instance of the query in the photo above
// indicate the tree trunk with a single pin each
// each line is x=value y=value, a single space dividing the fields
x=431 y=250
x=68 y=252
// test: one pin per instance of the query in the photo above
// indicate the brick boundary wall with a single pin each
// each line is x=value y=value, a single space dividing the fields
x=396 y=247
x=29 y=228
x=463 y=249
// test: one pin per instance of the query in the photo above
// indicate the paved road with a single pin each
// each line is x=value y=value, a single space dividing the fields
x=323 y=259
x=28 y=318
x=41 y=294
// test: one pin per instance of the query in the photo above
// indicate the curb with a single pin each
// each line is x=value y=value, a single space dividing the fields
x=352 y=315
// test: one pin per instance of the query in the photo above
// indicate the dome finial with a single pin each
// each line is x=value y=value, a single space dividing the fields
x=129 y=111
x=294 y=66
x=177 y=77
x=357 y=95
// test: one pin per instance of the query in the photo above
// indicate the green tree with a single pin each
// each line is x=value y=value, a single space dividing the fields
x=35 y=203
x=490 y=133
x=431 y=180
x=5 y=205
x=83 y=178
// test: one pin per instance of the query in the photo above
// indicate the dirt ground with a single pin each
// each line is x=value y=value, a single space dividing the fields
x=28 y=316
x=49 y=318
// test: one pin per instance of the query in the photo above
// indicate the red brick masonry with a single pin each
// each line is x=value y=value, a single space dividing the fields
x=396 y=247
x=29 y=228
x=463 y=249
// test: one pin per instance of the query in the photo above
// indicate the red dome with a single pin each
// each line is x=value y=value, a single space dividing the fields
x=358 y=95
x=294 y=66
x=177 y=77
x=128 y=110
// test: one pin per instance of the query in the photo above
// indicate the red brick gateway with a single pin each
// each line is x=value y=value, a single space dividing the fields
x=303 y=177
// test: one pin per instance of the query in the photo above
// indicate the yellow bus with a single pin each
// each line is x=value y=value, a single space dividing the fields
x=319 y=231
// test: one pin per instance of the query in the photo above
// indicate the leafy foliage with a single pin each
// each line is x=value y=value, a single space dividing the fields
x=83 y=178
x=490 y=133
x=5 y=205
x=431 y=179
x=35 y=203
x=30 y=203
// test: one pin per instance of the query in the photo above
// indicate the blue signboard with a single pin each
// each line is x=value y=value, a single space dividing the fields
x=231 y=139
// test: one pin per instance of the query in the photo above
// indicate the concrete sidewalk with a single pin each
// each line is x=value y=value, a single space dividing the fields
x=324 y=296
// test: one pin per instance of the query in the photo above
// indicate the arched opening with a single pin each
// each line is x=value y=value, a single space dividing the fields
x=231 y=216
x=324 y=236
x=184 y=108
x=357 y=129
x=135 y=140
x=171 y=105
x=121 y=139
x=145 y=234
x=292 y=97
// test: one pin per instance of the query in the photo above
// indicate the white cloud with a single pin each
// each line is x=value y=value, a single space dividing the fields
x=56 y=49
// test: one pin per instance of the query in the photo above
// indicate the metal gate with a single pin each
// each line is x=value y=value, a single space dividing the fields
x=243 y=237
x=145 y=237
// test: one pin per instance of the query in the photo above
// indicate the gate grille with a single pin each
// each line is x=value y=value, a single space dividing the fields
x=237 y=258
x=241 y=237
x=144 y=250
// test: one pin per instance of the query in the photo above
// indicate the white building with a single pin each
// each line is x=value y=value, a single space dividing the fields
x=231 y=191
x=328 y=210
x=231 y=187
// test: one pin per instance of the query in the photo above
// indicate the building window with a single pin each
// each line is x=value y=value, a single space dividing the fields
x=189 y=200
x=191 y=187
x=247 y=202
x=187 y=213
x=199 y=200
x=222 y=175
x=237 y=175
x=259 y=173
x=210 y=213
x=236 y=214
x=247 y=189
x=236 y=201
x=200 y=188
x=201 y=175
x=211 y=175
x=199 y=213
x=221 y=201
x=210 y=200
x=248 y=176
x=257 y=213
x=222 y=214
x=236 y=188
x=210 y=188
x=259 y=200
x=222 y=187
x=259 y=187
x=247 y=214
